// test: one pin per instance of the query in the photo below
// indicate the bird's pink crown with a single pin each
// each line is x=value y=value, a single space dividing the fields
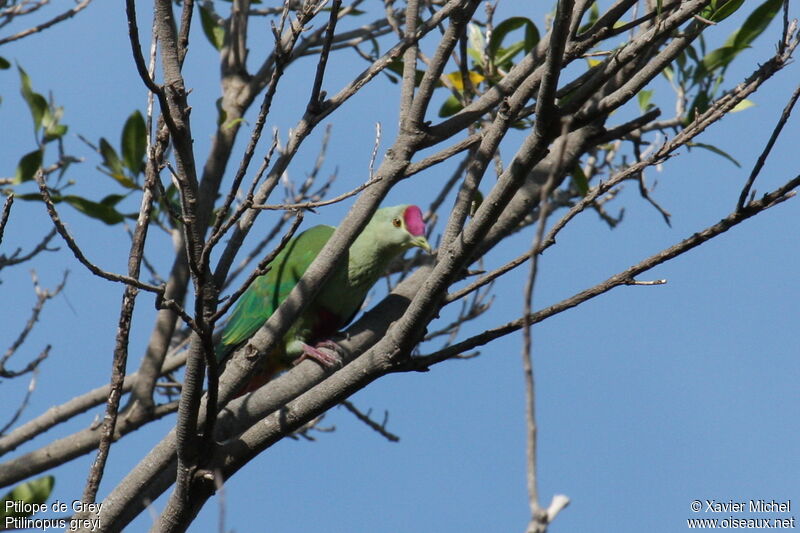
x=413 y=218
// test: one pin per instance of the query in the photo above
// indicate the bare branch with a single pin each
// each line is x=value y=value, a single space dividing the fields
x=68 y=410
x=4 y=215
x=136 y=48
x=43 y=26
x=76 y=251
x=374 y=153
x=120 y=360
x=787 y=111
x=42 y=296
x=16 y=259
x=315 y=100
x=321 y=203
x=24 y=403
x=364 y=417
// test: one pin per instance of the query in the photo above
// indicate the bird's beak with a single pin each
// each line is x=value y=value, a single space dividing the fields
x=421 y=242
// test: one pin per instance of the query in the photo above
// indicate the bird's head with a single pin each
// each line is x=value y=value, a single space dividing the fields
x=401 y=226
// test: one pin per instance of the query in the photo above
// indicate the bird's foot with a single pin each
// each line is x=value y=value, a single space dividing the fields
x=323 y=358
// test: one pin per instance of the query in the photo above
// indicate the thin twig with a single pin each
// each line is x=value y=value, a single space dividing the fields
x=76 y=251
x=317 y=95
x=645 y=193
x=282 y=56
x=322 y=203
x=136 y=48
x=43 y=26
x=222 y=226
x=42 y=296
x=372 y=156
x=364 y=417
x=25 y=399
x=537 y=520
x=787 y=111
x=120 y=359
x=442 y=155
x=16 y=259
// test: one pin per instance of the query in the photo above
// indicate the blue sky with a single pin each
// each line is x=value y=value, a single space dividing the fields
x=648 y=397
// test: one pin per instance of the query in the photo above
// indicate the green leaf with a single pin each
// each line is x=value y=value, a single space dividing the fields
x=231 y=123
x=451 y=106
x=594 y=14
x=505 y=55
x=715 y=150
x=169 y=204
x=114 y=165
x=756 y=23
x=644 y=98
x=110 y=158
x=30 y=197
x=214 y=31
x=113 y=199
x=134 y=142
x=691 y=52
x=122 y=179
x=477 y=43
x=507 y=26
x=396 y=66
x=100 y=211
x=698 y=107
x=715 y=59
x=56 y=131
x=50 y=122
x=33 y=492
x=222 y=115
x=4 y=64
x=753 y=26
x=36 y=102
x=741 y=106
x=579 y=180
x=27 y=166
x=718 y=13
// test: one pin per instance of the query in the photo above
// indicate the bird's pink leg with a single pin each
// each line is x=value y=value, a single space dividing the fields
x=326 y=360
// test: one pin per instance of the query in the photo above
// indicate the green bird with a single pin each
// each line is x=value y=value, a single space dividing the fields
x=390 y=232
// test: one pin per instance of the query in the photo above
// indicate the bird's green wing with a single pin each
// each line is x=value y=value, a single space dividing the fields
x=268 y=291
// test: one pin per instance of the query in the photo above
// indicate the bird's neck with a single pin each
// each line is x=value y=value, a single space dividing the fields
x=369 y=259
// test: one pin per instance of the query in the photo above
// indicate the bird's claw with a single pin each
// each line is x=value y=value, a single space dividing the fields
x=323 y=358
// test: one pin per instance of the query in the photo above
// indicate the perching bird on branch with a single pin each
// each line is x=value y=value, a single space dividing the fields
x=390 y=232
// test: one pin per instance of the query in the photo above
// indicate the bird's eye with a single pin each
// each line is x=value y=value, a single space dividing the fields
x=396 y=223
